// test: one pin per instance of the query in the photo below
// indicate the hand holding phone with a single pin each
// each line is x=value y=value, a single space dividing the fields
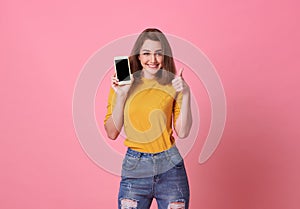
x=122 y=69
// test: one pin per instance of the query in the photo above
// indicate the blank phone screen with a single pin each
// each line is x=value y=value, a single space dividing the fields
x=122 y=69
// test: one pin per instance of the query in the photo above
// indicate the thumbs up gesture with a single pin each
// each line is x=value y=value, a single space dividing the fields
x=178 y=82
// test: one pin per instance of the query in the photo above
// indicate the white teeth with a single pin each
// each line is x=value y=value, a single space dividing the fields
x=152 y=66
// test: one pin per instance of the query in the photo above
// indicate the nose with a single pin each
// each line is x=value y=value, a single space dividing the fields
x=153 y=58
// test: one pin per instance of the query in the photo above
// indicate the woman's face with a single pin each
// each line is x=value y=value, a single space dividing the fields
x=151 y=57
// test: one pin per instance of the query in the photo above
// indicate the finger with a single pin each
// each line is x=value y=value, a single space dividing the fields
x=114 y=79
x=177 y=80
x=180 y=72
x=114 y=86
x=131 y=78
x=177 y=86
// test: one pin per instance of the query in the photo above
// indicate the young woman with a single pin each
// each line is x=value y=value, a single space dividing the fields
x=157 y=100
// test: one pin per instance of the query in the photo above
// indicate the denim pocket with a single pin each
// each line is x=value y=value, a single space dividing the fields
x=130 y=163
x=176 y=161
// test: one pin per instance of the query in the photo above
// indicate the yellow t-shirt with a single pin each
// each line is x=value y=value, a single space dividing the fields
x=148 y=115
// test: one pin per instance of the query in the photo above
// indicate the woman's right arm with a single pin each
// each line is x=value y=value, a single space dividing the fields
x=114 y=123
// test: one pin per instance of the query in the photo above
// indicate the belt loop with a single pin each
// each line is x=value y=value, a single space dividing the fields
x=167 y=155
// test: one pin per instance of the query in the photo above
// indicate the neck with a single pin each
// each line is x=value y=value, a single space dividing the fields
x=148 y=75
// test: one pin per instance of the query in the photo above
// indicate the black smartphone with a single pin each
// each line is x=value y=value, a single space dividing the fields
x=122 y=69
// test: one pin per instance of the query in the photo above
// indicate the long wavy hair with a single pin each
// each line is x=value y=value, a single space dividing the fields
x=165 y=75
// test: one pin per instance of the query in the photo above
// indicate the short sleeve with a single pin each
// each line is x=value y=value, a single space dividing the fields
x=110 y=104
x=176 y=106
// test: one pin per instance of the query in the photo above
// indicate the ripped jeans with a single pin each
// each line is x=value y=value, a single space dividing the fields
x=146 y=176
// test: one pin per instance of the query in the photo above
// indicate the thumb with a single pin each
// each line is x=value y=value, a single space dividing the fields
x=180 y=72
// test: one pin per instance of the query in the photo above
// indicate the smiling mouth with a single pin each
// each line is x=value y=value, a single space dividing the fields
x=153 y=66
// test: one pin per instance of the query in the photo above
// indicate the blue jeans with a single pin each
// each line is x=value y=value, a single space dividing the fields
x=146 y=176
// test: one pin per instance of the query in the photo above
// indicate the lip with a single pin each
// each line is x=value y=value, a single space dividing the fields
x=153 y=66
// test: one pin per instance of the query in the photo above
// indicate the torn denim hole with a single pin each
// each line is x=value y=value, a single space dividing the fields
x=180 y=204
x=128 y=203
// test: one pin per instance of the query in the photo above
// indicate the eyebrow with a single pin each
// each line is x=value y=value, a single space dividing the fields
x=148 y=50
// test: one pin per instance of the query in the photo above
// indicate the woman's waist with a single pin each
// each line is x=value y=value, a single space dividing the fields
x=162 y=154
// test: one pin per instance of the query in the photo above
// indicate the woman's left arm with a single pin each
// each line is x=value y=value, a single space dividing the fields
x=184 y=120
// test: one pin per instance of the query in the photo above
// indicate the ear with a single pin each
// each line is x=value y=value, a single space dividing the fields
x=139 y=57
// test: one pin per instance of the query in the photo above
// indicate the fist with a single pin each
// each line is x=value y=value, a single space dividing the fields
x=179 y=84
x=121 y=90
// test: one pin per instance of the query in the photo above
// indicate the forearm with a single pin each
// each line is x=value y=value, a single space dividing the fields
x=114 y=124
x=184 y=121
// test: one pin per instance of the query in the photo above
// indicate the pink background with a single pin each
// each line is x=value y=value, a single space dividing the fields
x=254 y=46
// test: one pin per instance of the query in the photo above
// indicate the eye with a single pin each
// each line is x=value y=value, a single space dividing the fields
x=159 y=54
x=146 y=53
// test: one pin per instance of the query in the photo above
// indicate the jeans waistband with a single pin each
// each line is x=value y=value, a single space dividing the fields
x=172 y=151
